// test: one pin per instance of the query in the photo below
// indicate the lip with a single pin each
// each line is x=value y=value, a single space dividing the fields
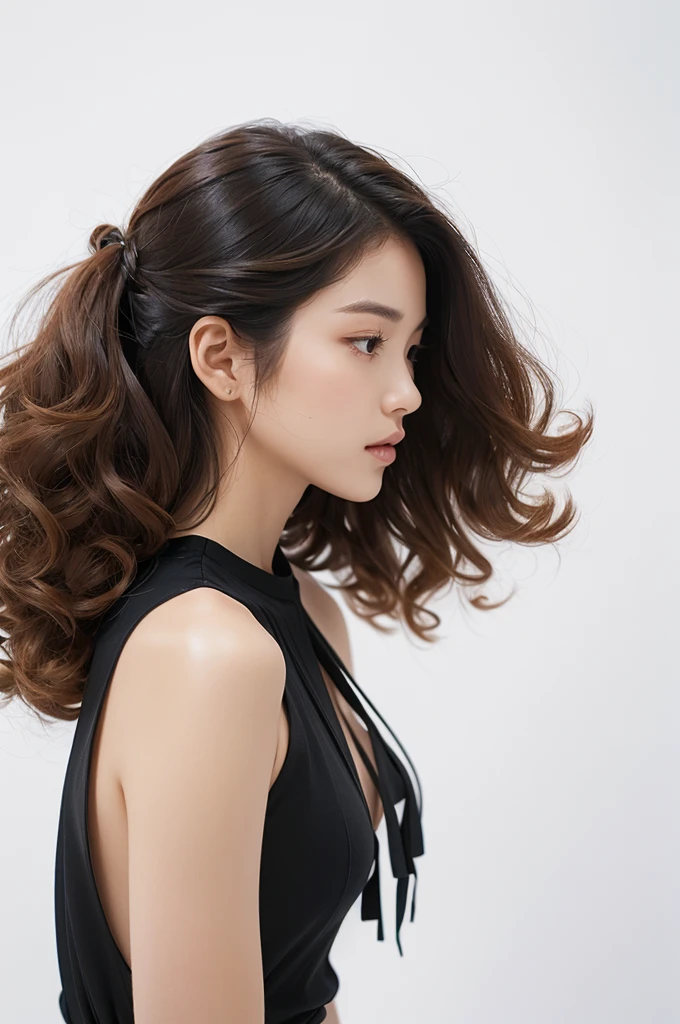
x=394 y=438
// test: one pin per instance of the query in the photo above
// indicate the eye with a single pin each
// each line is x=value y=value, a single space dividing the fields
x=378 y=338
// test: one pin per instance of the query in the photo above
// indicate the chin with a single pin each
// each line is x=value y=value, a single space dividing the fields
x=354 y=490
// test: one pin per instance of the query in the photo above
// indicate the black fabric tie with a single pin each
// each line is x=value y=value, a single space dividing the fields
x=393 y=782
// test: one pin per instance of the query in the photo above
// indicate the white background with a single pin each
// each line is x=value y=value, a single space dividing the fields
x=544 y=733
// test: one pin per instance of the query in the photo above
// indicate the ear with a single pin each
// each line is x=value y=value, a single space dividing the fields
x=219 y=358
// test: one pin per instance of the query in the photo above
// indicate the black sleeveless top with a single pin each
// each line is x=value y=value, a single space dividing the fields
x=318 y=846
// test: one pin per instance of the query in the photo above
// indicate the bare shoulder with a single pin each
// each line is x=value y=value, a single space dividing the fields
x=326 y=613
x=201 y=621
x=198 y=653
x=198 y=649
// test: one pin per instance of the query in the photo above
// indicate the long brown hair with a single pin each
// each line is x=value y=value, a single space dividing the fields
x=106 y=433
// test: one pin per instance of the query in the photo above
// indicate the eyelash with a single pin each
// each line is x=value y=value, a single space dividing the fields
x=380 y=339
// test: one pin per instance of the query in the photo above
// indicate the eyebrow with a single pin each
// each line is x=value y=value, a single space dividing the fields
x=378 y=309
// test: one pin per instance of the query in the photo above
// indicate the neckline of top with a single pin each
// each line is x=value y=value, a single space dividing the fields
x=280 y=582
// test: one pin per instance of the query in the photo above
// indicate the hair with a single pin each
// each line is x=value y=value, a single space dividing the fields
x=106 y=432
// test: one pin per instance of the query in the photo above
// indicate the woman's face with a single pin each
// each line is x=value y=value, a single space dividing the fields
x=337 y=389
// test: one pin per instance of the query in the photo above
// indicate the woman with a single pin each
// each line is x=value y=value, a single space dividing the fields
x=229 y=376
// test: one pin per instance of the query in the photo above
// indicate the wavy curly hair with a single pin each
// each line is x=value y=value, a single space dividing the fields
x=106 y=433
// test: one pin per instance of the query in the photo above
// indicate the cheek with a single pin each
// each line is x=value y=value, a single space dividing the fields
x=324 y=393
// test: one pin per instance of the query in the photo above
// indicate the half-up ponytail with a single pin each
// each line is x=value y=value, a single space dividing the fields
x=87 y=470
x=126 y=252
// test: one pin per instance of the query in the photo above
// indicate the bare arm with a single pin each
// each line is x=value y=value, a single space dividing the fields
x=196 y=771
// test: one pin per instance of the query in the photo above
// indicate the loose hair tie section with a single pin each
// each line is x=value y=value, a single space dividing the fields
x=107 y=234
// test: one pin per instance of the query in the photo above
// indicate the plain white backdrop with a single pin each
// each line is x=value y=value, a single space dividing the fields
x=544 y=733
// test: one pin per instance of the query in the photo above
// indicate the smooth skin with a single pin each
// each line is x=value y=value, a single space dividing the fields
x=193 y=716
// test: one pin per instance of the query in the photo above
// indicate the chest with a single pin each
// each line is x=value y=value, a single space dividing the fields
x=356 y=735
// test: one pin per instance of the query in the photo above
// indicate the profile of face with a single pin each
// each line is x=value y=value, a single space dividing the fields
x=345 y=381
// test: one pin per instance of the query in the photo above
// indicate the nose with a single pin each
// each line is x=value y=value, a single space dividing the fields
x=404 y=394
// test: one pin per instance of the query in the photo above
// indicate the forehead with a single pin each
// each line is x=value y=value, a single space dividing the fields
x=392 y=276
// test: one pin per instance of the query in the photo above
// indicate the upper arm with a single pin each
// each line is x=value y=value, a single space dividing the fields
x=195 y=775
